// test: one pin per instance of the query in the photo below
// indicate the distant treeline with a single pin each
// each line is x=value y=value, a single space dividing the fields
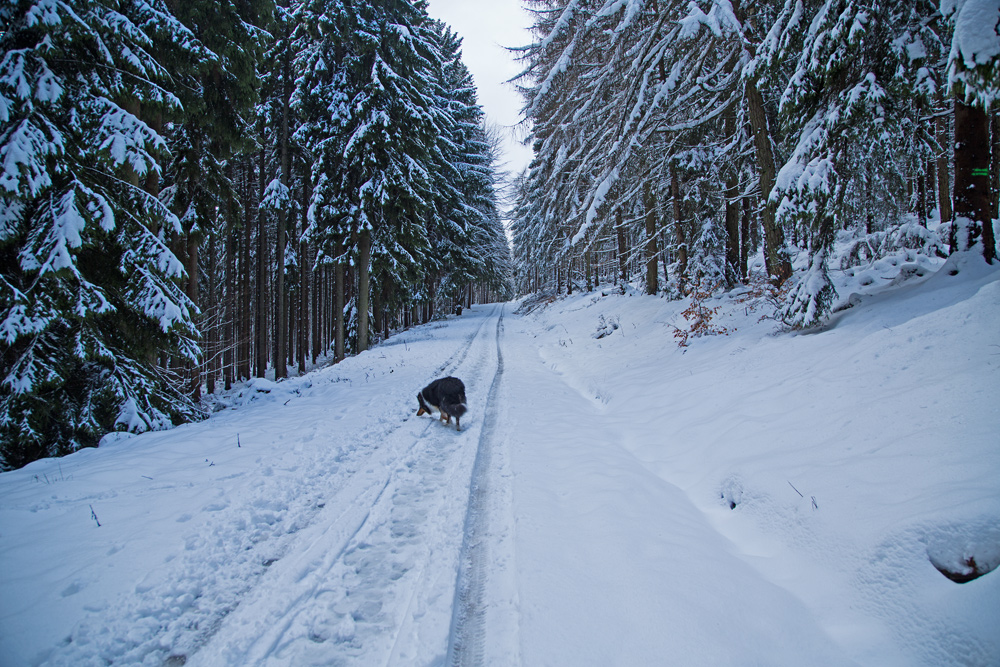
x=196 y=192
x=689 y=134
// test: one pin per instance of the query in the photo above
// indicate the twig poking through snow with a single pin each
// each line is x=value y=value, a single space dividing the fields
x=796 y=490
x=93 y=515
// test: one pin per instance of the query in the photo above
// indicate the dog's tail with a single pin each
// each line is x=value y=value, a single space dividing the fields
x=456 y=410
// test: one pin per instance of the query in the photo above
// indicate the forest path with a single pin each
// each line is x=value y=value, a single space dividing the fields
x=612 y=499
x=371 y=580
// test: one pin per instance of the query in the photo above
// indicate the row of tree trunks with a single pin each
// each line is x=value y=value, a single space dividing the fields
x=973 y=203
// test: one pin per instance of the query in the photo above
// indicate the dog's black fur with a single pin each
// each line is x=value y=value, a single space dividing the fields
x=446 y=395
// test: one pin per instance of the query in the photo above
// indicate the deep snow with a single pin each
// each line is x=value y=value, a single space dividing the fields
x=752 y=498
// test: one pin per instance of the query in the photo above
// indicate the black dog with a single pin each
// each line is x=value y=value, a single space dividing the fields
x=446 y=395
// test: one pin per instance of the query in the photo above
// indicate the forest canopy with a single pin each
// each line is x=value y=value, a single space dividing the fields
x=196 y=193
x=696 y=134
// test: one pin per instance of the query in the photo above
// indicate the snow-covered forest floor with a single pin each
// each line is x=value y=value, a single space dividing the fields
x=753 y=497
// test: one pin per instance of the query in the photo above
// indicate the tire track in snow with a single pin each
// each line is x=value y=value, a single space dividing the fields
x=467 y=637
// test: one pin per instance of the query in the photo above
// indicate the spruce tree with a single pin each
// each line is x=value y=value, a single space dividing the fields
x=90 y=298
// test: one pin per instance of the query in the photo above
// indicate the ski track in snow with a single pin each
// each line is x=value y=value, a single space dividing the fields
x=366 y=588
x=314 y=566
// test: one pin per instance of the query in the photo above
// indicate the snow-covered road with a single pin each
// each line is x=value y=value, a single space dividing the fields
x=323 y=523
x=612 y=499
x=370 y=579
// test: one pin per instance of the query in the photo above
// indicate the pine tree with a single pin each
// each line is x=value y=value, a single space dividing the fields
x=974 y=78
x=860 y=82
x=467 y=242
x=89 y=296
x=217 y=92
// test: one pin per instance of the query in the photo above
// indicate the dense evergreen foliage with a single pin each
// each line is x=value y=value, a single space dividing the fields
x=690 y=133
x=198 y=192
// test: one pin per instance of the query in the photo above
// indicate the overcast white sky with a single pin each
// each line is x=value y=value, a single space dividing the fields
x=487 y=26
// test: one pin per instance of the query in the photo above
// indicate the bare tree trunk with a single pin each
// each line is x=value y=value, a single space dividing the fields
x=732 y=210
x=922 y=198
x=682 y=250
x=339 y=290
x=192 y=266
x=304 y=271
x=280 y=306
x=745 y=221
x=246 y=309
x=973 y=222
x=230 y=284
x=664 y=243
x=652 y=284
x=779 y=266
x=318 y=294
x=386 y=319
x=732 y=231
x=944 y=184
x=622 y=264
x=931 y=167
x=213 y=313
x=261 y=352
x=377 y=308
x=364 y=286
x=995 y=165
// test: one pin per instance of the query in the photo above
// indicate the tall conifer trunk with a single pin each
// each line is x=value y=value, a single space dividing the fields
x=973 y=221
x=212 y=306
x=745 y=239
x=622 y=263
x=230 y=285
x=193 y=270
x=304 y=280
x=682 y=250
x=364 y=286
x=245 y=336
x=778 y=265
x=652 y=284
x=260 y=353
x=280 y=306
x=732 y=210
x=732 y=230
x=995 y=164
x=339 y=290
x=944 y=179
